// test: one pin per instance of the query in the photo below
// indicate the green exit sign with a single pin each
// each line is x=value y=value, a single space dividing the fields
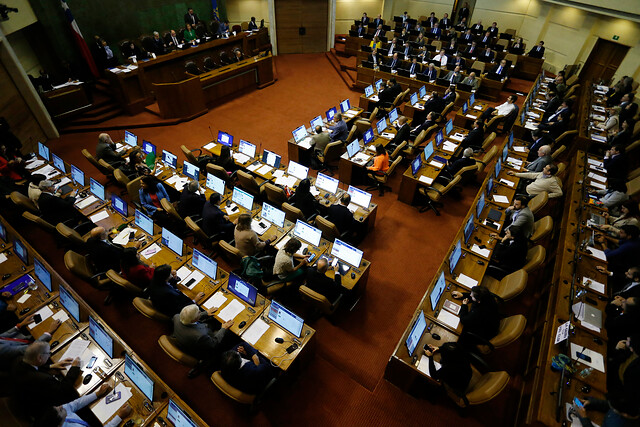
x=615 y=37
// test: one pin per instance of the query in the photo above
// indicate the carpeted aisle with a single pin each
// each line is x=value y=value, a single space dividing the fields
x=343 y=384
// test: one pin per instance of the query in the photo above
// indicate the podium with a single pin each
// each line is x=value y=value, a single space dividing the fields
x=183 y=100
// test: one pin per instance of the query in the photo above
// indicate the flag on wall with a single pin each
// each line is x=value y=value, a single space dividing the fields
x=214 y=8
x=77 y=35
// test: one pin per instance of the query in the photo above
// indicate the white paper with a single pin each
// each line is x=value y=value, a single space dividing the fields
x=183 y=272
x=448 y=318
x=123 y=237
x=264 y=169
x=361 y=157
x=45 y=312
x=597 y=361
x=388 y=135
x=507 y=182
x=519 y=149
x=278 y=173
x=498 y=198
x=597 y=177
x=254 y=166
x=466 y=281
x=352 y=207
x=215 y=301
x=99 y=216
x=3 y=258
x=104 y=412
x=253 y=333
x=514 y=161
x=483 y=252
x=63 y=181
x=597 y=253
x=86 y=202
x=314 y=191
x=477 y=107
x=426 y=180
x=255 y=226
x=196 y=275
x=231 y=310
x=470 y=116
x=595 y=162
x=240 y=157
x=575 y=421
x=60 y=315
x=283 y=242
x=23 y=298
x=457 y=137
x=49 y=171
x=34 y=164
x=562 y=333
x=436 y=164
x=593 y=284
x=151 y=251
x=229 y=209
x=210 y=146
x=423 y=365
x=449 y=146
x=305 y=143
x=76 y=348
x=597 y=185
x=288 y=181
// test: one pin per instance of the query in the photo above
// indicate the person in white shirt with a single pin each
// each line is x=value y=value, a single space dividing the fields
x=441 y=58
x=502 y=109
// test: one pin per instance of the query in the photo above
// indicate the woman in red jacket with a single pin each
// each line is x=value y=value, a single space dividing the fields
x=134 y=270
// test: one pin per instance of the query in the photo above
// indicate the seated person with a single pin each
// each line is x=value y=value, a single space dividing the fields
x=627 y=253
x=613 y=196
x=510 y=254
x=517 y=47
x=339 y=131
x=435 y=103
x=431 y=72
x=106 y=150
x=159 y=46
x=479 y=315
x=430 y=121
x=304 y=200
x=542 y=181
x=136 y=166
x=13 y=343
x=252 y=24
x=449 y=95
x=537 y=51
x=380 y=161
x=631 y=288
x=214 y=220
x=622 y=319
x=630 y=215
x=56 y=209
x=501 y=110
x=317 y=281
x=104 y=254
x=401 y=135
x=394 y=62
x=319 y=142
x=454 y=76
x=151 y=192
x=455 y=369
x=246 y=240
x=134 y=270
x=441 y=58
x=237 y=55
x=620 y=409
x=33 y=190
x=374 y=57
x=132 y=50
x=164 y=295
x=473 y=50
x=285 y=267
x=340 y=215
x=189 y=34
x=454 y=165
x=500 y=70
x=172 y=40
x=191 y=201
x=475 y=137
x=487 y=55
x=544 y=158
x=225 y=160
x=245 y=369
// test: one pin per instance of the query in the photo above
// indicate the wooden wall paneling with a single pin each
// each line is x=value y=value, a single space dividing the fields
x=314 y=19
x=288 y=21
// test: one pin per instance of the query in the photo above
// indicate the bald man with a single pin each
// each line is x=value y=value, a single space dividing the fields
x=104 y=254
x=318 y=282
x=544 y=158
x=106 y=150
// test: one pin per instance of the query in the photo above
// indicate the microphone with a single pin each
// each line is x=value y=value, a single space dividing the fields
x=211 y=132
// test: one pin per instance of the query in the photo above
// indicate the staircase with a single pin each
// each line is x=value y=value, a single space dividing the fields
x=344 y=65
x=103 y=108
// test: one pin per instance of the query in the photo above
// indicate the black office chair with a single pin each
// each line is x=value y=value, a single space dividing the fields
x=224 y=58
x=209 y=64
x=192 y=68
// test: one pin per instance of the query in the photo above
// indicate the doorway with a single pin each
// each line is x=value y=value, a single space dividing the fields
x=603 y=61
x=301 y=25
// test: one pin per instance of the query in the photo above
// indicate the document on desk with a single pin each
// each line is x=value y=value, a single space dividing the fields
x=103 y=214
x=425 y=179
x=34 y=164
x=210 y=146
x=597 y=185
x=3 y=258
x=423 y=365
x=373 y=98
x=76 y=348
x=597 y=361
x=595 y=162
x=180 y=183
x=151 y=251
x=507 y=182
x=265 y=169
x=388 y=135
x=283 y=242
x=278 y=173
x=482 y=252
x=352 y=207
x=215 y=301
x=593 y=284
x=466 y=281
x=288 y=181
x=60 y=315
x=192 y=279
x=23 y=298
x=457 y=137
x=361 y=157
x=123 y=237
x=499 y=198
x=305 y=143
x=470 y=116
x=254 y=166
x=436 y=164
x=105 y=411
x=45 y=312
x=231 y=310
x=514 y=161
x=63 y=181
x=172 y=180
x=449 y=146
x=314 y=191
x=562 y=333
x=183 y=272
x=572 y=418
x=240 y=157
x=231 y=209
x=477 y=107
x=48 y=171
x=597 y=253
x=254 y=332
x=519 y=149
x=83 y=203
x=448 y=318
x=597 y=177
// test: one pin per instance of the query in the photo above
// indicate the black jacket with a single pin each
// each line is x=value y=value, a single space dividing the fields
x=474 y=138
x=167 y=299
x=105 y=255
x=213 y=221
x=56 y=209
x=190 y=203
x=341 y=216
x=321 y=284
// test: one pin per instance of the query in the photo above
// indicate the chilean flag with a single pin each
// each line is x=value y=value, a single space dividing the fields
x=77 y=35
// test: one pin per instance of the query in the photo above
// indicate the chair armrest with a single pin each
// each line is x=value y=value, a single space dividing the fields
x=479 y=338
x=337 y=302
x=312 y=217
x=199 y=150
x=444 y=178
x=435 y=189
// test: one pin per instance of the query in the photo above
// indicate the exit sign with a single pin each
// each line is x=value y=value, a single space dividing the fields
x=615 y=37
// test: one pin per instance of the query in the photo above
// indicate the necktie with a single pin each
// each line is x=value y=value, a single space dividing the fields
x=452 y=76
x=499 y=70
x=15 y=340
x=175 y=41
x=393 y=63
x=413 y=67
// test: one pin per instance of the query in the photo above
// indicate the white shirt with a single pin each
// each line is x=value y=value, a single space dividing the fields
x=80 y=403
x=441 y=58
x=505 y=109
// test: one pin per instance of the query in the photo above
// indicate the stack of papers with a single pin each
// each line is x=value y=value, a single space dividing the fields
x=361 y=157
x=83 y=203
x=470 y=116
x=597 y=253
x=254 y=166
x=34 y=163
x=231 y=310
x=215 y=301
x=387 y=135
x=449 y=146
x=593 y=284
x=240 y=157
x=423 y=365
x=449 y=319
x=192 y=279
x=103 y=214
x=63 y=181
x=210 y=146
x=45 y=312
x=425 y=179
x=498 y=198
x=466 y=281
x=287 y=181
x=255 y=226
x=599 y=138
x=151 y=251
x=519 y=149
x=123 y=237
x=477 y=107
x=48 y=171
x=594 y=162
x=254 y=332
x=264 y=169
x=483 y=252
x=436 y=164
x=507 y=182
x=457 y=137
x=283 y=242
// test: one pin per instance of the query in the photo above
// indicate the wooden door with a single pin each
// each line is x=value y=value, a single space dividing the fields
x=603 y=62
x=301 y=25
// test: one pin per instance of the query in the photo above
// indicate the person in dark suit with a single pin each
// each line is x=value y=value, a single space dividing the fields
x=214 y=221
x=623 y=137
x=454 y=76
x=404 y=35
x=428 y=122
x=519 y=216
x=500 y=70
x=455 y=369
x=628 y=108
x=537 y=51
x=389 y=93
x=13 y=343
x=56 y=209
x=104 y=254
x=630 y=289
x=435 y=104
x=304 y=200
x=432 y=19
x=431 y=72
x=487 y=55
x=556 y=127
x=457 y=61
x=237 y=55
x=374 y=57
x=164 y=295
x=509 y=255
x=475 y=137
x=364 y=19
x=462 y=25
x=361 y=30
x=159 y=46
x=479 y=315
x=339 y=130
x=627 y=375
x=378 y=21
x=252 y=24
x=317 y=281
x=486 y=40
x=544 y=158
x=246 y=369
x=172 y=40
x=191 y=18
x=493 y=30
x=454 y=165
x=563 y=110
x=434 y=32
x=401 y=135
x=517 y=47
x=540 y=138
x=472 y=50
x=626 y=255
x=615 y=162
x=445 y=22
x=394 y=62
x=449 y=95
x=106 y=150
x=191 y=202
x=477 y=27
x=622 y=319
x=195 y=337
x=467 y=37
x=553 y=102
x=414 y=68
x=340 y=215
x=132 y=50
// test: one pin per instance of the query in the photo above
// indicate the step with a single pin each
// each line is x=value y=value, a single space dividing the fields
x=344 y=75
x=95 y=119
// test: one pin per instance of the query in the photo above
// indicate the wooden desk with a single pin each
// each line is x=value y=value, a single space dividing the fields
x=357 y=283
x=465 y=121
x=365 y=216
x=112 y=221
x=67 y=331
x=39 y=296
x=249 y=314
x=66 y=101
x=166 y=256
x=12 y=265
x=273 y=233
x=206 y=285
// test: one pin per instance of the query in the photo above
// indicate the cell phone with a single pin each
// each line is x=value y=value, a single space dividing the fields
x=112 y=397
x=584 y=357
x=92 y=362
x=132 y=234
x=37 y=318
x=578 y=403
x=311 y=257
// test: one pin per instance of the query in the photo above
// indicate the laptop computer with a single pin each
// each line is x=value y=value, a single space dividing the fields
x=597 y=219
x=464 y=87
x=443 y=82
x=592 y=316
x=494 y=215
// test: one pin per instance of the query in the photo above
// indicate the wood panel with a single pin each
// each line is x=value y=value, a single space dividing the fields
x=315 y=20
x=288 y=21
x=604 y=60
x=291 y=15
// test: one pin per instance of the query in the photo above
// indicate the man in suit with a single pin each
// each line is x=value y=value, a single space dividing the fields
x=472 y=50
x=394 y=62
x=454 y=76
x=172 y=41
x=537 y=51
x=104 y=254
x=449 y=95
x=191 y=202
x=56 y=209
x=486 y=40
x=361 y=30
x=627 y=378
x=191 y=18
x=471 y=80
x=519 y=215
x=626 y=255
x=432 y=20
x=487 y=55
x=339 y=131
x=406 y=52
x=13 y=343
x=379 y=31
x=374 y=57
x=615 y=162
x=631 y=288
x=493 y=29
x=445 y=22
x=317 y=281
x=542 y=181
x=475 y=137
x=628 y=108
x=435 y=32
x=431 y=72
x=364 y=19
x=414 y=68
x=390 y=92
x=393 y=46
x=106 y=150
x=544 y=158
x=467 y=37
x=245 y=369
x=195 y=337
x=457 y=61
x=558 y=120
x=378 y=22
x=401 y=135
x=553 y=102
x=477 y=27
x=340 y=215
x=463 y=13
x=435 y=104
x=320 y=140
x=500 y=70
x=214 y=221
x=429 y=121
x=159 y=46
x=453 y=166
x=252 y=24
x=622 y=318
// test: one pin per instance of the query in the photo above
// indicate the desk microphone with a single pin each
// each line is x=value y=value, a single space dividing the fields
x=211 y=132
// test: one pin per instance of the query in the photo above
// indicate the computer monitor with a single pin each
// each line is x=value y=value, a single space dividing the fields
x=439 y=138
x=58 y=163
x=422 y=92
x=416 y=165
x=214 y=183
x=353 y=148
x=169 y=159
x=379 y=83
x=307 y=232
x=489 y=185
x=3 y=233
x=327 y=183
x=416 y=333
x=225 y=139
x=455 y=256
x=315 y=122
x=172 y=241
x=273 y=215
x=97 y=189
x=468 y=229
x=143 y=222
x=243 y=290
x=148 y=147
x=242 y=198
x=297 y=170
x=43 y=151
x=359 y=197
x=523 y=117
x=346 y=253
x=271 y=158
x=437 y=291
x=428 y=151
x=130 y=139
x=101 y=337
x=299 y=133
x=330 y=113
x=414 y=98
x=393 y=115
x=480 y=205
x=368 y=136
x=191 y=170
x=77 y=176
x=137 y=376
x=204 y=264
x=21 y=251
x=286 y=319
x=381 y=125
x=465 y=108
x=345 y=105
x=472 y=99
x=119 y=205
x=511 y=139
x=448 y=127
x=498 y=167
x=42 y=273
x=505 y=152
x=69 y=303
x=178 y=417
x=368 y=91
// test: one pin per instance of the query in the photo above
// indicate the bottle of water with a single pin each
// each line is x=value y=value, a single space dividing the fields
x=586 y=372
